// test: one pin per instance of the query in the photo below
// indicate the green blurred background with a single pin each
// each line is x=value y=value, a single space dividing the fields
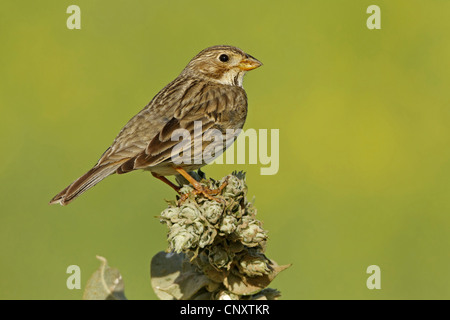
x=363 y=115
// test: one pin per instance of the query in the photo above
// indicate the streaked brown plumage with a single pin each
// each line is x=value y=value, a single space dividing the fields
x=209 y=89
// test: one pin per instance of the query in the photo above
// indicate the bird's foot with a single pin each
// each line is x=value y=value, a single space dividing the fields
x=211 y=194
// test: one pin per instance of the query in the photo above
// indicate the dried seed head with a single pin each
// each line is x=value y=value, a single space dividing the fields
x=224 y=240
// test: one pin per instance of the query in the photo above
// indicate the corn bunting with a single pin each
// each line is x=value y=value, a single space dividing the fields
x=207 y=92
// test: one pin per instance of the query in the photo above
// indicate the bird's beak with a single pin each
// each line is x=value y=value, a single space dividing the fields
x=249 y=63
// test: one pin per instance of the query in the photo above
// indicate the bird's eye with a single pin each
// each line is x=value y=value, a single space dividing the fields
x=224 y=58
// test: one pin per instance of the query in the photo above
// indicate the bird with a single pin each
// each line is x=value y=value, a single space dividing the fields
x=208 y=91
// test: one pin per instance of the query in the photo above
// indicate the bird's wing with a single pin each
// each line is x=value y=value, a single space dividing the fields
x=200 y=107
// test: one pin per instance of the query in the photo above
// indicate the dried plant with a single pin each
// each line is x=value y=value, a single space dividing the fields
x=216 y=249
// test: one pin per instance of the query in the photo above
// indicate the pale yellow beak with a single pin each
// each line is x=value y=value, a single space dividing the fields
x=249 y=63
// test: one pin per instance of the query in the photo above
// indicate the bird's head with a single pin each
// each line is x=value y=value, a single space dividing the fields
x=222 y=64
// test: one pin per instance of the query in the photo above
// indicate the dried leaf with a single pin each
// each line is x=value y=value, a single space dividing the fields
x=266 y=294
x=174 y=277
x=241 y=285
x=105 y=284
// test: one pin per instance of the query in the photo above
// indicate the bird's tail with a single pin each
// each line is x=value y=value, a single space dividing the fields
x=85 y=182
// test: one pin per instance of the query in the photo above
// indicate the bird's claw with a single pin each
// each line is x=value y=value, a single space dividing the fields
x=206 y=192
